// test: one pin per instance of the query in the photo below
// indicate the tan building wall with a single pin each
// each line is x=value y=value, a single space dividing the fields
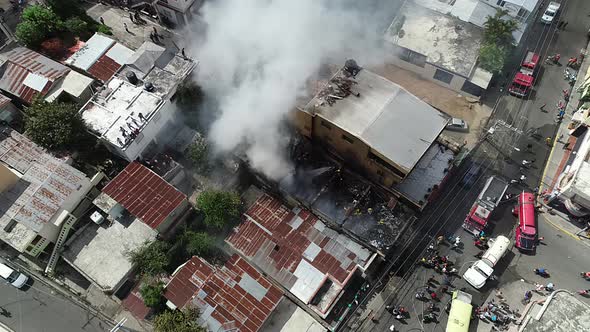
x=355 y=152
x=7 y=178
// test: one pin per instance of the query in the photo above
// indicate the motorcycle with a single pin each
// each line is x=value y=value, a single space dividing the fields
x=553 y=59
x=585 y=275
x=429 y=317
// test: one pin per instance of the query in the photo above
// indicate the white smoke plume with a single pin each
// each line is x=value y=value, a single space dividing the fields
x=256 y=57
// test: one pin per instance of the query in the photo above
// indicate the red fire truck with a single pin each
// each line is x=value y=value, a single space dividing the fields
x=481 y=210
x=524 y=79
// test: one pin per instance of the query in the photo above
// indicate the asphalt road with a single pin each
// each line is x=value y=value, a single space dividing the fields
x=39 y=309
x=502 y=154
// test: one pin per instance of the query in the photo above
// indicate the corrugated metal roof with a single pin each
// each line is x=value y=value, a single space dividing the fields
x=224 y=304
x=144 y=194
x=278 y=241
x=20 y=63
x=93 y=49
x=45 y=186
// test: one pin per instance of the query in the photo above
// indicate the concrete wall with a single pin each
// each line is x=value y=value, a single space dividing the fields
x=173 y=216
x=350 y=149
x=427 y=72
x=7 y=178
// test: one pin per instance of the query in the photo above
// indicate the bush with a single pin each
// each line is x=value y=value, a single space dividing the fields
x=152 y=295
x=198 y=243
x=104 y=29
x=56 y=126
x=219 y=207
x=198 y=152
x=152 y=258
x=178 y=321
x=76 y=25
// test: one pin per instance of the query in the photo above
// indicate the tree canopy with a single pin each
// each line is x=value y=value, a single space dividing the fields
x=56 y=126
x=198 y=153
x=219 y=207
x=491 y=57
x=198 y=243
x=151 y=259
x=189 y=95
x=152 y=294
x=37 y=23
x=498 y=30
x=178 y=321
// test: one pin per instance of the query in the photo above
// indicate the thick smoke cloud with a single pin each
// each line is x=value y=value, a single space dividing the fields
x=256 y=57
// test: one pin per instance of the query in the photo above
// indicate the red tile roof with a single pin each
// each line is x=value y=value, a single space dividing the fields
x=20 y=62
x=144 y=194
x=205 y=286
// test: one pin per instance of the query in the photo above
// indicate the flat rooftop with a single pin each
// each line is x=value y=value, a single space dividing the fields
x=120 y=111
x=385 y=116
x=45 y=185
x=297 y=250
x=232 y=297
x=563 y=313
x=100 y=252
x=446 y=41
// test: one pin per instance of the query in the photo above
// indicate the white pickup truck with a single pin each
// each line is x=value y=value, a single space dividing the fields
x=478 y=273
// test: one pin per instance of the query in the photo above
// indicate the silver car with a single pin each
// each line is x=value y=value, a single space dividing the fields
x=457 y=125
x=12 y=276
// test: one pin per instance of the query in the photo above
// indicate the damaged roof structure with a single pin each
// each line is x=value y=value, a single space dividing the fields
x=25 y=74
x=296 y=249
x=234 y=297
x=131 y=110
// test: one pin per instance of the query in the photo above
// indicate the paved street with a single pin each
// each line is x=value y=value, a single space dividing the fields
x=39 y=309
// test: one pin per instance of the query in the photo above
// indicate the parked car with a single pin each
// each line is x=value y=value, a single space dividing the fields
x=457 y=125
x=12 y=276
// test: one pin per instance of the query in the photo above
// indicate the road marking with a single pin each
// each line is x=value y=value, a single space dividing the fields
x=562 y=229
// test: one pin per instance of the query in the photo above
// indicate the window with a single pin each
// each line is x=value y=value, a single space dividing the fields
x=501 y=3
x=412 y=57
x=348 y=139
x=471 y=89
x=326 y=125
x=386 y=165
x=443 y=76
x=522 y=14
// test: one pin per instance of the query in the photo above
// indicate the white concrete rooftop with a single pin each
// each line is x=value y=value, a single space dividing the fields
x=446 y=41
x=119 y=112
x=100 y=252
x=386 y=117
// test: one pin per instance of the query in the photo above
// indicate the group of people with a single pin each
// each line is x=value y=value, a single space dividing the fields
x=440 y=264
x=499 y=314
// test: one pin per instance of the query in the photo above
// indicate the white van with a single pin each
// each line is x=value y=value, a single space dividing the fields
x=550 y=13
x=480 y=271
x=12 y=276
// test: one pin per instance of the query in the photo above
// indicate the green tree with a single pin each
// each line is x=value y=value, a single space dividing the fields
x=37 y=22
x=76 y=25
x=189 y=95
x=492 y=57
x=198 y=243
x=178 y=321
x=151 y=259
x=66 y=8
x=104 y=29
x=152 y=294
x=498 y=30
x=56 y=126
x=219 y=207
x=198 y=152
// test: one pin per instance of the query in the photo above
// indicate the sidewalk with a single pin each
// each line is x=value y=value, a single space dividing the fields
x=562 y=153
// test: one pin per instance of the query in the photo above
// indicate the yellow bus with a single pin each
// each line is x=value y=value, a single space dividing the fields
x=460 y=314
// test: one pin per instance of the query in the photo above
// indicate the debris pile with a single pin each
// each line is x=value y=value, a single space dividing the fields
x=338 y=88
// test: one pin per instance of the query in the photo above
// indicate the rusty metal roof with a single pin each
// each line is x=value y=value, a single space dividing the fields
x=144 y=194
x=296 y=249
x=24 y=65
x=234 y=297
